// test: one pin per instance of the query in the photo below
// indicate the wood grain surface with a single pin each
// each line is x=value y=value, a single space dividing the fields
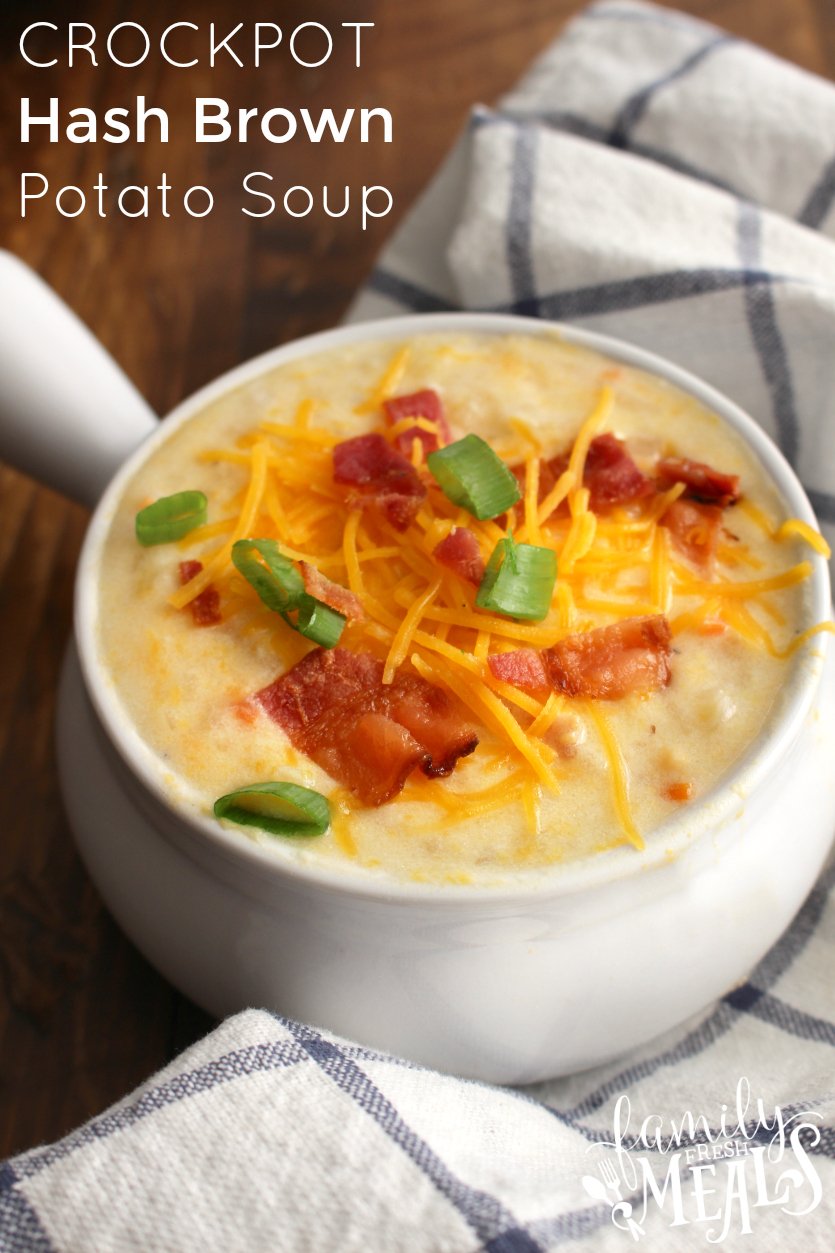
x=83 y=1018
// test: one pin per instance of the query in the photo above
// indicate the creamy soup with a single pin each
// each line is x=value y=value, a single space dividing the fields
x=654 y=660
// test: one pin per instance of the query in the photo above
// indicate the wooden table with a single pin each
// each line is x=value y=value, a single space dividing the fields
x=83 y=1018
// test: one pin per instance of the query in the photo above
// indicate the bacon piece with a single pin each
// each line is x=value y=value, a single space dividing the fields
x=368 y=752
x=400 y=508
x=322 y=679
x=702 y=481
x=429 y=714
x=368 y=461
x=611 y=475
x=694 y=529
x=369 y=736
x=205 y=608
x=459 y=552
x=425 y=404
x=613 y=661
x=523 y=667
x=333 y=594
x=383 y=476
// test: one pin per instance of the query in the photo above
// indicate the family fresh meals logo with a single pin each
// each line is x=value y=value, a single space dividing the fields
x=717 y=1176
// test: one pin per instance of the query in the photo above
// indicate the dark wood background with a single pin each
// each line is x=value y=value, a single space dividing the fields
x=83 y=1018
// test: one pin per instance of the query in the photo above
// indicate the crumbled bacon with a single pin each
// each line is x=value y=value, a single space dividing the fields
x=424 y=404
x=383 y=476
x=694 y=529
x=702 y=481
x=522 y=667
x=460 y=553
x=368 y=752
x=429 y=715
x=322 y=679
x=333 y=594
x=612 y=661
x=400 y=508
x=369 y=736
x=205 y=608
x=367 y=461
x=611 y=475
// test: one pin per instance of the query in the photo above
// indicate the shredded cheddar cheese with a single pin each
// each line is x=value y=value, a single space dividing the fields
x=342 y=807
x=321 y=439
x=544 y=719
x=618 y=772
x=795 y=527
x=531 y=800
x=756 y=514
x=806 y=635
x=484 y=703
x=754 y=587
x=352 y=562
x=303 y=414
x=611 y=566
x=402 y=641
x=663 y=502
x=523 y=429
x=530 y=531
x=388 y=384
x=408 y=424
x=243 y=527
x=660 y=584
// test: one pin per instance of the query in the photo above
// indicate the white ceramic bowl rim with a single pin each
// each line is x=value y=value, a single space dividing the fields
x=663 y=844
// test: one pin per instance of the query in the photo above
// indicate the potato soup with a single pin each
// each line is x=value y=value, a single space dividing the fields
x=501 y=601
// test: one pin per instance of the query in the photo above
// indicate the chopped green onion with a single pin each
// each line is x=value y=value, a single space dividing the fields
x=274 y=576
x=170 y=518
x=472 y=476
x=318 y=622
x=519 y=580
x=280 y=808
x=279 y=583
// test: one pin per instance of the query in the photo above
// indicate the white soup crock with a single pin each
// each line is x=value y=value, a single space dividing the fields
x=551 y=973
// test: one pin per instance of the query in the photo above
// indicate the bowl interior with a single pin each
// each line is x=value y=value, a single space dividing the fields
x=665 y=842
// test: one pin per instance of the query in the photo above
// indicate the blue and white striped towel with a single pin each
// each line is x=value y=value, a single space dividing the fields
x=662 y=182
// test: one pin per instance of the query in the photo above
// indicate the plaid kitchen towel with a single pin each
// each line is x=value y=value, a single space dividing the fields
x=658 y=180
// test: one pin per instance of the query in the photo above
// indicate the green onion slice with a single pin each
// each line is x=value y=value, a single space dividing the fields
x=519 y=580
x=279 y=583
x=274 y=576
x=170 y=518
x=318 y=622
x=280 y=808
x=471 y=475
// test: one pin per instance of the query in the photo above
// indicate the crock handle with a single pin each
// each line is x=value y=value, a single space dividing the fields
x=68 y=414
